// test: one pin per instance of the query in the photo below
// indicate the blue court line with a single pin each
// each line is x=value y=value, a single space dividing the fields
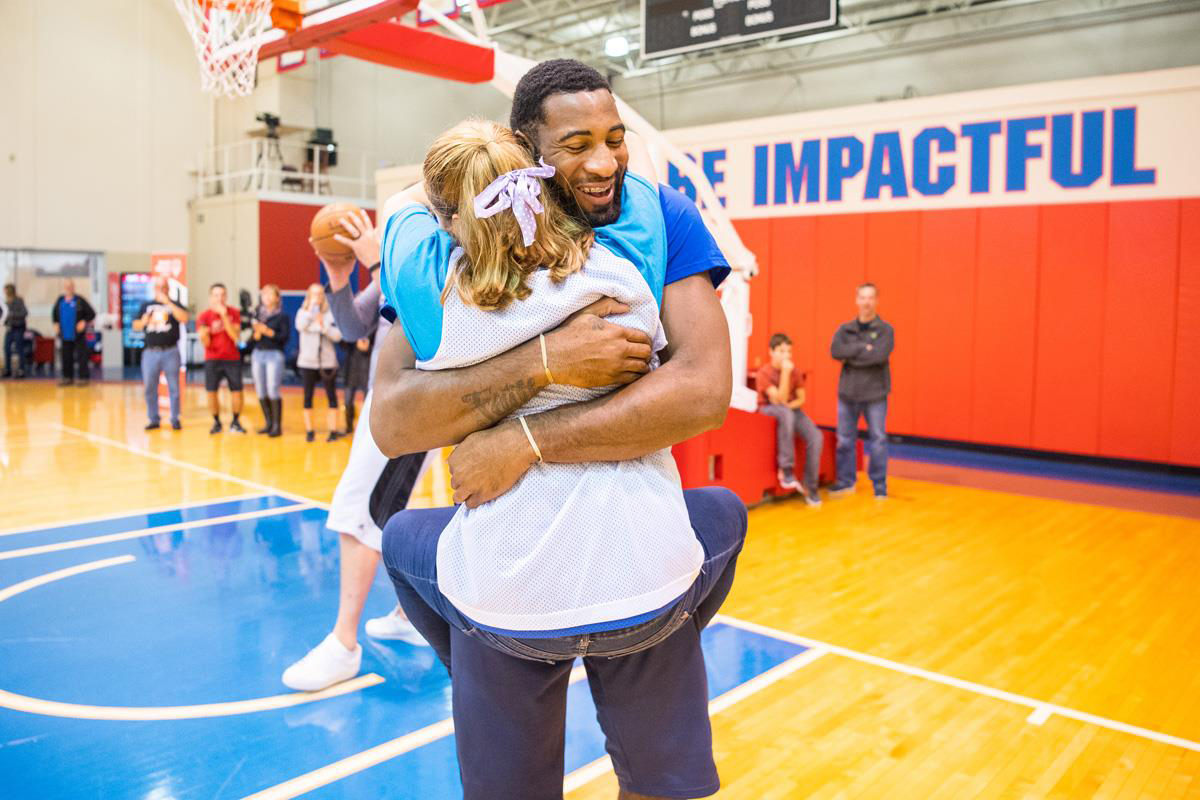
x=142 y=521
x=1125 y=477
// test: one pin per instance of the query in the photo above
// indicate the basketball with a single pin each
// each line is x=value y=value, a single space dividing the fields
x=325 y=224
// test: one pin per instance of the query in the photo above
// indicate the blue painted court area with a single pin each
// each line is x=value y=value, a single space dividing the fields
x=213 y=614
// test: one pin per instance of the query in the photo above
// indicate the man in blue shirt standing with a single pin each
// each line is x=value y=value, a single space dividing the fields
x=652 y=701
x=71 y=316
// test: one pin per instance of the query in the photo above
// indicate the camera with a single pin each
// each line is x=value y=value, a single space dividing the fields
x=272 y=123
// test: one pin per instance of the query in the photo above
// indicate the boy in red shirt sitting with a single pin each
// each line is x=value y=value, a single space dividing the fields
x=781 y=395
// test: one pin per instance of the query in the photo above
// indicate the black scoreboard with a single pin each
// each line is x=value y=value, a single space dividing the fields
x=676 y=26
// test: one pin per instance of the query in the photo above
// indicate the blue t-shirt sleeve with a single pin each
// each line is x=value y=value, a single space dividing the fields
x=691 y=248
x=639 y=234
x=415 y=252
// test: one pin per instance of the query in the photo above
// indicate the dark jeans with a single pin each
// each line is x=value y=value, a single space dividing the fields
x=74 y=353
x=790 y=422
x=648 y=680
x=847 y=436
x=14 y=342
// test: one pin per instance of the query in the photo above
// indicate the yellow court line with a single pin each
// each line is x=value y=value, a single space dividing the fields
x=175 y=462
x=53 y=708
x=72 y=544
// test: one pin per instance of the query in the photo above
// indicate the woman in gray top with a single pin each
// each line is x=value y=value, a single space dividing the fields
x=318 y=356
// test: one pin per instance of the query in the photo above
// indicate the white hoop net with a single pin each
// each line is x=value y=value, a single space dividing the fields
x=225 y=34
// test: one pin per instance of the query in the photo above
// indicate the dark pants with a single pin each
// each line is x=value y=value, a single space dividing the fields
x=790 y=422
x=14 y=342
x=847 y=437
x=74 y=353
x=648 y=681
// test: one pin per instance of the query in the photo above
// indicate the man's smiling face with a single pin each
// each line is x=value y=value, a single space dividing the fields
x=583 y=138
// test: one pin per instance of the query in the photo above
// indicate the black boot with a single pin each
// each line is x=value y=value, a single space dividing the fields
x=276 y=417
x=268 y=414
x=349 y=418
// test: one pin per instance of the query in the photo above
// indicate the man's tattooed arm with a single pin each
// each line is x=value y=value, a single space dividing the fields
x=413 y=410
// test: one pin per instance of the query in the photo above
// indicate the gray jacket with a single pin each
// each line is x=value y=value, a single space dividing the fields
x=317 y=341
x=358 y=316
x=866 y=374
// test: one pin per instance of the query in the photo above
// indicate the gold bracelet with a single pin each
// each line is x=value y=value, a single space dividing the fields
x=545 y=366
x=536 y=451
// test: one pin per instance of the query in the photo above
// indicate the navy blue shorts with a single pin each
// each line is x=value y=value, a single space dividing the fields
x=510 y=694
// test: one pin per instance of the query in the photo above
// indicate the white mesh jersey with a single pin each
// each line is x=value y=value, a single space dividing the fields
x=570 y=545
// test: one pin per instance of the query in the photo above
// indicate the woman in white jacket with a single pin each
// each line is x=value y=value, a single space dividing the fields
x=318 y=357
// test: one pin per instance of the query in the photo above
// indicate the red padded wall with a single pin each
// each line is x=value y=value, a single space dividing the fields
x=1138 y=352
x=893 y=261
x=1005 y=326
x=840 y=266
x=1185 y=421
x=1072 y=328
x=1066 y=400
x=944 y=333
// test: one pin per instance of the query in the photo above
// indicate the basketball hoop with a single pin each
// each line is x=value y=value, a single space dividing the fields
x=226 y=35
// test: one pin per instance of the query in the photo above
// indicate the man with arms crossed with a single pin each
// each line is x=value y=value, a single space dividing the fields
x=218 y=327
x=863 y=345
x=653 y=703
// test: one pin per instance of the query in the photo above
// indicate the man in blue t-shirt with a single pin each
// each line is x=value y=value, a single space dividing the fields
x=71 y=315
x=648 y=680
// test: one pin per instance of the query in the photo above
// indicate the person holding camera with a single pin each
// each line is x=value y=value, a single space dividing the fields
x=160 y=320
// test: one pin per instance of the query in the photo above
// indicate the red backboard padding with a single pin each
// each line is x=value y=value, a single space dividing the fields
x=417 y=51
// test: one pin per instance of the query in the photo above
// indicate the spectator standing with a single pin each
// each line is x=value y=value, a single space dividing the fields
x=71 y=316
x=318 y=357
x=864 y=346
x=160 y=320
x=218 y=327
x=271 y=328
x=781 y=394
x=14 y=331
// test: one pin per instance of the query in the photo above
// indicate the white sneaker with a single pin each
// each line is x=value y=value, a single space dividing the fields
x=326 y=664
x=394 y=626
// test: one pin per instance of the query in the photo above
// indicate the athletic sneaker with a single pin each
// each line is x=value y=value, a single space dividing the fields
x=236 y=427
x=394 y=626
x=175 y=426
x=309 y=436
x=787 y=479
x=812 y=498
x=838 y=490
x=333 y=436
x=216 y=428
x=151 y=426
x=326 y=664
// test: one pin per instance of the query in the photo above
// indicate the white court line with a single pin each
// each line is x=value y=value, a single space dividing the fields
x=131 y=513
x=1042 y=710
x=53 y=708
x=175 y=462
x=323 y=776
x=356 y=763
x=602 y=766
x=37 y=550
